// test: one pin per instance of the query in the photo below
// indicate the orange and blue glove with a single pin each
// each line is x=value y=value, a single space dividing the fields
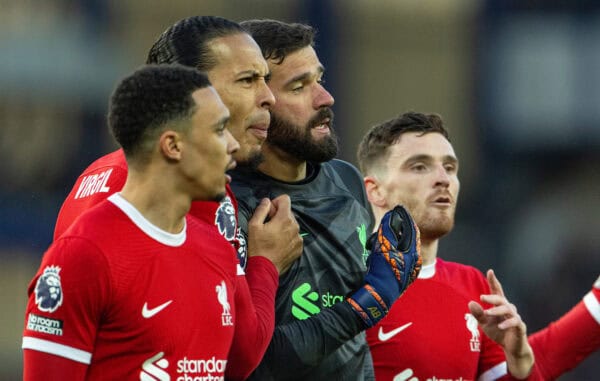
x=394 y=263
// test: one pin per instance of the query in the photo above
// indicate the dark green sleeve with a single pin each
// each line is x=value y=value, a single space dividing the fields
x=305 y=343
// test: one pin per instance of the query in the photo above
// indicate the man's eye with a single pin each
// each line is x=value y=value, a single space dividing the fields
x=450 y=168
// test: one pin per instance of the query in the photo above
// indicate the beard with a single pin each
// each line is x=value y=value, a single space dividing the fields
x=435 y=227
x=298 y=141
x=432 y=225
x=253 y=160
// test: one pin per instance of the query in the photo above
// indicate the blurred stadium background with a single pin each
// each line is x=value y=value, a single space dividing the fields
x=517 y=82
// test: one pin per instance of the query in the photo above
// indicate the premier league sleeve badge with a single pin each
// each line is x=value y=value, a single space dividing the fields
x=48 y=290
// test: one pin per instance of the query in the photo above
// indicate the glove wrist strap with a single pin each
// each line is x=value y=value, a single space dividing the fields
x=368 y=305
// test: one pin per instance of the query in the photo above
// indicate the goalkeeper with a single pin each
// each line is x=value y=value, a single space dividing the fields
x=324 y=301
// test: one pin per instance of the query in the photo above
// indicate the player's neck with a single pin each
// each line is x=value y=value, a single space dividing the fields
x=156 y=202
x=429 y=250
x=282 y=166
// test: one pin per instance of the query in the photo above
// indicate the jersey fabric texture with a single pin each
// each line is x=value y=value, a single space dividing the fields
x=432 y=317
x=256 y=291
x=134 y=301
x=317 y=335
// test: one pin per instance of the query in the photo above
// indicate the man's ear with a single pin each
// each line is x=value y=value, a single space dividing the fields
x=171 y=145
x=375 y=193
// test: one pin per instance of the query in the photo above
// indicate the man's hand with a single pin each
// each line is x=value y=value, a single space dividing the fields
x=277 y=239
x=393 y=264
x=503 y=324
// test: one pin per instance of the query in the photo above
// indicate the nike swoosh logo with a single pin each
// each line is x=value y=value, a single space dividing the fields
x=302 y=235
x=385 y=336
x=148 y=313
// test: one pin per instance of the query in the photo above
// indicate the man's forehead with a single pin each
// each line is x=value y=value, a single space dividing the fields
x=237 y=52
x=303 y=61
x=416 y=143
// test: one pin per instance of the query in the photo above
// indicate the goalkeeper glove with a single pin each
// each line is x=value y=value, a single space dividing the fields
x=394 y=263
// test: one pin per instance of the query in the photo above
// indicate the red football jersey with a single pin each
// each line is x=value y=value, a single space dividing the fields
x=429 y=333
x=108 y=174
x=102 y=178
x=256 y=294
x=134 y=301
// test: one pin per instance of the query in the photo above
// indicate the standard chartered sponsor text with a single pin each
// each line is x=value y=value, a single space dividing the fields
x=201 y=366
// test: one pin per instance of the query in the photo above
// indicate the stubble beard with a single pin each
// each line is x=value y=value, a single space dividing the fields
x=435 y=226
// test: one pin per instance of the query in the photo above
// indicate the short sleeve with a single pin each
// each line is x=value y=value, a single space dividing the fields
x=67 y=299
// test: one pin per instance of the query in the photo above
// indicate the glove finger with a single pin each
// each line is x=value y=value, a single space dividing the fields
x=402 y=225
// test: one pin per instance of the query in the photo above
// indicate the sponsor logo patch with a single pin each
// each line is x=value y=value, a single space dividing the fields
x=155 y=368
x=43 y=324
x=306 y=302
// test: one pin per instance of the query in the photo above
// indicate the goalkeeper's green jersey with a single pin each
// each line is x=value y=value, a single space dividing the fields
x=317 y=336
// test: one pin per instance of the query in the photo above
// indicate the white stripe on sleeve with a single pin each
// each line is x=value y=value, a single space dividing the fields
x=494 y=372
x=592 y=305
x=57 y=349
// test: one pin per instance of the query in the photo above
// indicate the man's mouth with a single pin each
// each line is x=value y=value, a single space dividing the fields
x=259 y=130
x=322 y=128
x=443 y=200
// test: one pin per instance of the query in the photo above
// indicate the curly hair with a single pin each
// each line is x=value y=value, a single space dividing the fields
x=278 y=39
x=186 y=42
x=373 y=148
x=145 y=101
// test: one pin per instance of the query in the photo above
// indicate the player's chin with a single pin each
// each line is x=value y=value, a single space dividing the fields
x=218 y=197
x=250 y=158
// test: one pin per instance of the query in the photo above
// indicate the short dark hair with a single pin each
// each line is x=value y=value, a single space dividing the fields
x=373 y=148
x=278 y=39
x=145 y=101
x=186 y=42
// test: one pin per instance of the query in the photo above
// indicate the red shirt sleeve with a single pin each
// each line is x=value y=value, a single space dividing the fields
x=254 y=303
x=65 y=306
x=566 y=342
x=43 y=366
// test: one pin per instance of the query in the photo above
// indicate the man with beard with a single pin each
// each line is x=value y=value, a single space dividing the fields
x=320 y=313
x=410 y=160
x=237 y=70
